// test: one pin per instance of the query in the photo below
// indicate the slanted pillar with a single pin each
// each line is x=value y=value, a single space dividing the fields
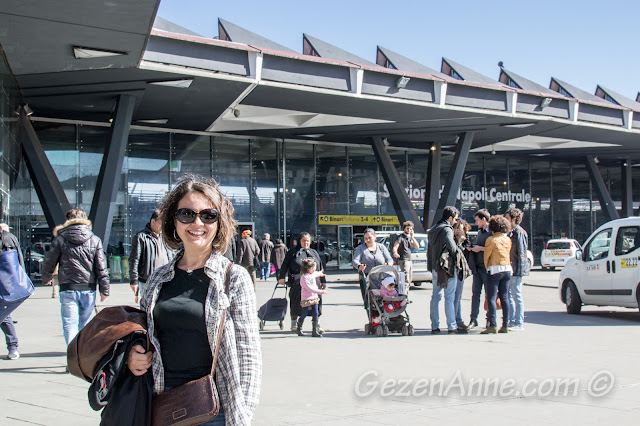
x=432 y=194
x=399 y=197
x=104 y=199
x=52 y=198
x=606 y=202
x=456 y=172
x=627 y=186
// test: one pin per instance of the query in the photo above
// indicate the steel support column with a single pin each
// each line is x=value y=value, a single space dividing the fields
x=606 y=202
x=627 y=186
x=432 y=194
x=399 y=197
x=52 y=198
x=104 y=199
x=456 y=172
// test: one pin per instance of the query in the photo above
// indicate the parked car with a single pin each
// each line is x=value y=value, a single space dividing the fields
x=557 y=252
x=418 y=255
x=605 y=272
x=473 y=235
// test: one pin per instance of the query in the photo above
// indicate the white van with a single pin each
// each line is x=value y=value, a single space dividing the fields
x=418 y=255
x=605 y=272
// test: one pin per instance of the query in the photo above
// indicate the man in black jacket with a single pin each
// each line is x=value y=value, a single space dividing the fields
x=520 y=266
x=148 y=253
x=82 y=267
x=440 y=241
x=265 y=256
x=8 y=241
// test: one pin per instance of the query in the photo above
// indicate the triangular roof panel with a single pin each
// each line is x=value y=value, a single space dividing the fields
x=572 y=91
x=164 y=25
x=231 y=32
x=329 y=51
x=460 y=72
x=402 y=63
x=610 y=95
x=507 y=77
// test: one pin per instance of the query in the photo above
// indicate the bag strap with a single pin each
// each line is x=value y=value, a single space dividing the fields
x=227 y=281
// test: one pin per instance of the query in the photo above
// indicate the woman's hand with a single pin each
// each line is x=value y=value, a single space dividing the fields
x=362 y=267
x=139 y=361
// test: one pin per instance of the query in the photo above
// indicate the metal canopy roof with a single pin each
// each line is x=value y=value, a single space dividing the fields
x=326 y=50
x=522 y=82
x=617 y=97
x=262 y=91
x=575 y=92
x=405 y=64
x=232 y=32
x=466 y=73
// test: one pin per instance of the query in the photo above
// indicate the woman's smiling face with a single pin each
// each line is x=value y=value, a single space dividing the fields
x=196 y=235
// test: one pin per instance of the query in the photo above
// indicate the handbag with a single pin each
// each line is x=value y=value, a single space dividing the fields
x=273 y=269
x=195 y=402
x=15 y=285
x=498 y=304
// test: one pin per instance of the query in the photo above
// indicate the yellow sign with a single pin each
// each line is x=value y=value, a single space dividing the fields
x=629 y=262
x=330 y=219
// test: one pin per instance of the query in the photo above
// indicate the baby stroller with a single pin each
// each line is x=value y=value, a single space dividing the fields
x=388 y=314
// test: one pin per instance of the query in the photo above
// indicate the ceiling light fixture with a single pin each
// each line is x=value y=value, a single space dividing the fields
x=89 y=52
x=180 y=84
x=154 y=121
x=433 y=147
x=27 y=110
x=493 y=149
x=545 y=103
x=402 y=82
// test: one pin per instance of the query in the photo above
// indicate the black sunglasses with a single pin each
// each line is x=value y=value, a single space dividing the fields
x=189 y=216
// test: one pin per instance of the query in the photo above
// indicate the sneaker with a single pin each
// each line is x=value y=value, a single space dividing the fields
x=458 y=331
x=503 y=330
x=13 y=353
x=517 y=328
x=472 y=324
x=435 y=331
x=490 y=330
x=462 y=326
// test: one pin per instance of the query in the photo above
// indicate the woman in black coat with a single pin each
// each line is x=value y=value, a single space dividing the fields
x=291 y=270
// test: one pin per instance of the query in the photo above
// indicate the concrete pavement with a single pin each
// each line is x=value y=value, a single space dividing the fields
x=350 y=378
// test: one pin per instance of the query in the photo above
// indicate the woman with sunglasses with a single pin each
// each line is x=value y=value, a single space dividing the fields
x=291 y=268
x=185 y=298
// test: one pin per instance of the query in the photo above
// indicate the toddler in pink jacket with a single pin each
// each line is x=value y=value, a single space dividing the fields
x=309 y=292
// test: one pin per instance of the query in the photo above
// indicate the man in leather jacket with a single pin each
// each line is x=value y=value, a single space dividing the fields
x=148 y=253
x=82 y=268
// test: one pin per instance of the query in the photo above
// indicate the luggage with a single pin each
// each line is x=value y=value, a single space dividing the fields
x=275 y=309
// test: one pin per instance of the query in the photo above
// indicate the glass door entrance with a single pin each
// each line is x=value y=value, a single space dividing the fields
x=345 y=246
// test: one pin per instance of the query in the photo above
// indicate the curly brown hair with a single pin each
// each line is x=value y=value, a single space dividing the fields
x=499 y=223
x=209 y=188
x=516 y=214
x=460 y=229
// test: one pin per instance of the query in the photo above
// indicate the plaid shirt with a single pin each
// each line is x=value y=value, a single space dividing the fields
x=239 y=367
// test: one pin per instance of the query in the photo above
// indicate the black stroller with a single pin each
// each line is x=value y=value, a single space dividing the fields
x=275 y=309
x=386 y=314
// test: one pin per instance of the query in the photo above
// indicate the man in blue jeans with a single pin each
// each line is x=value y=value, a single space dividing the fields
x=82 y=267
x=440 y=240
x=520 y=266
x=476 y=263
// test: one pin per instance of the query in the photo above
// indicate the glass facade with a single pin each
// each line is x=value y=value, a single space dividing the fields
x=287 y=188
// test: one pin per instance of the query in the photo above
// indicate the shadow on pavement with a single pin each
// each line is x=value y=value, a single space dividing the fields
x=42 y=354
x=585 y=319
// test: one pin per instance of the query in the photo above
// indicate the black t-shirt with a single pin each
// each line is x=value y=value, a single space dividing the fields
x=181 y=328
x=404 y=249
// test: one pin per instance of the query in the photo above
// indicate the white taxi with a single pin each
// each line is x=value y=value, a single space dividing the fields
x=557 y=252
x=605 y=272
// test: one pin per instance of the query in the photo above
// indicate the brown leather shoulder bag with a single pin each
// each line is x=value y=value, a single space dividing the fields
x=195 y=402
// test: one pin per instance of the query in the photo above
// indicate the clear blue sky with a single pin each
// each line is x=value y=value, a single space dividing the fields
x=584 y=43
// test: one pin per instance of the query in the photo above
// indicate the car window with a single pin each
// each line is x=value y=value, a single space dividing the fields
x=598 y=247
x=627 y=240
x=558 y=245
x=422 y=241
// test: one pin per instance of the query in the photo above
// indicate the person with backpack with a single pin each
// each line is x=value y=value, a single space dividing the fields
x=8 y=241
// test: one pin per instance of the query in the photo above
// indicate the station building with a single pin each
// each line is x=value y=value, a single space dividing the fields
x=105 y=106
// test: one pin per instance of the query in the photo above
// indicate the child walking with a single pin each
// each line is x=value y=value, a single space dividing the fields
x=309 y=295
